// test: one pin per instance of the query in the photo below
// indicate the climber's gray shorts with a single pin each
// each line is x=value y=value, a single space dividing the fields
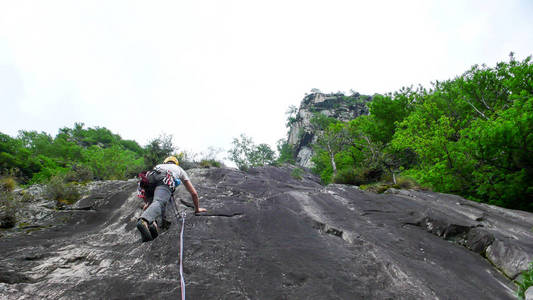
x=157 y=208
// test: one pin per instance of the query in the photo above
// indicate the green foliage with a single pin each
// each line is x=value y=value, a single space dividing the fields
x=132 y=146
x=358 y=176
x=113 y=163
x=525 y=282
x=331 y=141
x=15 y=158
x=385 y=111
x=47 y=168
x=407 y=183
x=241 y=152
x=246 y=154
x=187 y=160
x=157 y=150
x=297 y=173
x=208 y=159
x=285 y=153
x=321 y=122
x=291 y=113
x=471 y=135
x=210 y=163
x=378 y=188
x=79 y=154
x=8 y=209
x=9 y=203
x=354 y=99
x=7 y=183
x=348 y=176
x=63 y=193
x=262 y=155
x=79 y=173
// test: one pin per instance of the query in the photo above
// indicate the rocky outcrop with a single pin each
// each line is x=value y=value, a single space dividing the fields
x=302 y=134
x=267 y=235
x=529 y=294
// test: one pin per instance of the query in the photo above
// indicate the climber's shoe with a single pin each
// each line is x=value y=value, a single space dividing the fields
x=153 y=229
x=142 y=225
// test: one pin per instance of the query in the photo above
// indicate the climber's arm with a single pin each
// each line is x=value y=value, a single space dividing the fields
x=194 y=196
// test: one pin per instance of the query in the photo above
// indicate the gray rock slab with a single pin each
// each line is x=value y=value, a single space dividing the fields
x=267 y=235
x=529 y=293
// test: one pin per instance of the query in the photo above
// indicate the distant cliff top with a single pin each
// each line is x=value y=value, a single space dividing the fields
x=335 y=105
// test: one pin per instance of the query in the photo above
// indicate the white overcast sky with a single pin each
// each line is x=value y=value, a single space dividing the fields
x=207 y=71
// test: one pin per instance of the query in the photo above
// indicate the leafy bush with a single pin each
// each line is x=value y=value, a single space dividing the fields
x=7 y=184
x=358 y=176
x=348 y=176
x=157 y=150
x=63 y=193
x=470 y=135
x=8 y=208
x=82 y=154
x=378 y=188
x=210 y=163
x=525 y=282
x=79 y=173
x=297 y=173
x=246 y=154
x=285 y=153
x=187 y=160
x=406 y=183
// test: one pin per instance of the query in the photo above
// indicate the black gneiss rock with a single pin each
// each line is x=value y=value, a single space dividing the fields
x=267 y=235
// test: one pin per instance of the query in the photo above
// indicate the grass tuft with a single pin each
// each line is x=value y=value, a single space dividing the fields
x=297 y=173
x=7 y=183
x=210 y=163
x=525 y=282
x=63 y=193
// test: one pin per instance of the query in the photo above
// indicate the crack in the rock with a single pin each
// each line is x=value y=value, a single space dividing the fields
x=325 y=228
x=370 y=211
x=460 y=235
x=230 y=215
x=84 y=208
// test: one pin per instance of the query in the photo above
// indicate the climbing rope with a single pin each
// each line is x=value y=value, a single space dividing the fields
x=182 y=280
x=183 y=215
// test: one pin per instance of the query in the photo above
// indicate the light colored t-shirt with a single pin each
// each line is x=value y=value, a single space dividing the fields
x=176 y=171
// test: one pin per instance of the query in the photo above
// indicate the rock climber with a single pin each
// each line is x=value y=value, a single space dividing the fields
x=168 y=174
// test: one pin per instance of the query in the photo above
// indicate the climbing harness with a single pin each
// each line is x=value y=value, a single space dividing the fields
x=182 y=216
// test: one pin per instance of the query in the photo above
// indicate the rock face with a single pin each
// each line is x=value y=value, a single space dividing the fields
x=529 y=294
x=267 y=235
x=302 y=134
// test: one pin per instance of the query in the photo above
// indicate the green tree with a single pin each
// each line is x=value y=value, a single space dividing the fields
x=112 y=163
x=285 y=152
x=246 y=154
x=386 y=111
x=157 y=150
x=241 y=152
x=78 y=153
x=332 y=141
x=262 y=155
x=472 y=135
x=291 y=114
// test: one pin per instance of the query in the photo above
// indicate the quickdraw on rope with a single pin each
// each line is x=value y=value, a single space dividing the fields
x=182 y=216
